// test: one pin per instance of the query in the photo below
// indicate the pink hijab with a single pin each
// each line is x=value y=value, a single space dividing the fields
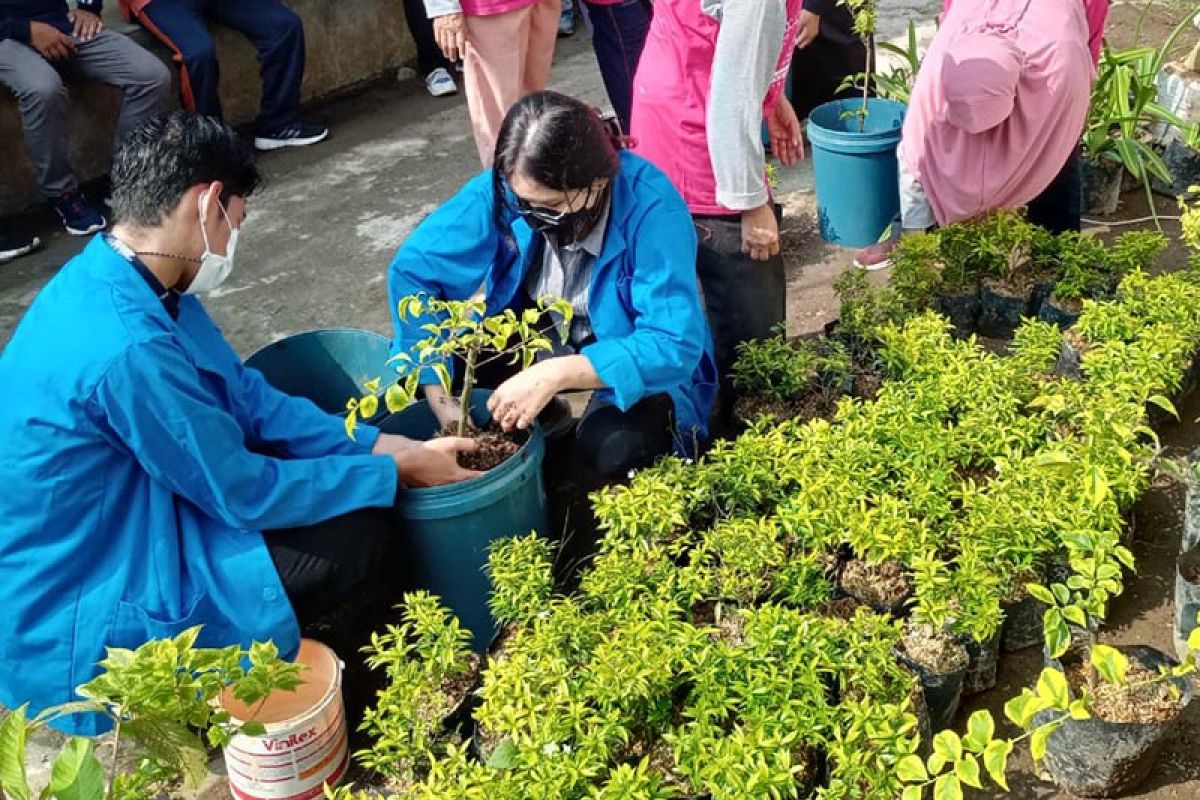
x=1000 y=102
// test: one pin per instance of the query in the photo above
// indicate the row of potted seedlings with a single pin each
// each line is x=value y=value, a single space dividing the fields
x=798 y=614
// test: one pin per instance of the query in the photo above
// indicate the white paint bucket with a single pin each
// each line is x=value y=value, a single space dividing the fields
x=305 y=744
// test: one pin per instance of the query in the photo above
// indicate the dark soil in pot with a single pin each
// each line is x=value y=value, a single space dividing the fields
x=1001 y=308
x=1101 y=186
x=492 y=446
x=843 y=608
x=940 y=664
x=983 y=664
x=961 y=307
x=884 y=586
x=813 y=404
x=1063 y=313
x=1111 y=753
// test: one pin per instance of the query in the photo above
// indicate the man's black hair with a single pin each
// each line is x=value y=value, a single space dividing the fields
x=165 y=156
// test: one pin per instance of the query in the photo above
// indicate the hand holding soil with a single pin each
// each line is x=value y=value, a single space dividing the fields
x=445 y=407
x=518 y=401
x=432 y=463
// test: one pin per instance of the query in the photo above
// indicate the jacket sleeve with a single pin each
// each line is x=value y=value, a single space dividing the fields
x=295 y=426
x=1097 y=16
x=670 y=330
x=448 y=257
x=744 y=63
x=14 y=28
x=151 y=403
x=441 y=8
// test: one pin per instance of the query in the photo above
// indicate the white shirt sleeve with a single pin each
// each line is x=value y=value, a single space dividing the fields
x=748 y=46
x=440 y=8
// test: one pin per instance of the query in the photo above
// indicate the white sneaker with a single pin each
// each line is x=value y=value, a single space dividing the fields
x=440 y=83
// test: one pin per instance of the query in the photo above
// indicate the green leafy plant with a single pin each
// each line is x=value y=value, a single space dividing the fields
x=462 y=330
x=865 y=14
x=162 y=702
x=522 y=574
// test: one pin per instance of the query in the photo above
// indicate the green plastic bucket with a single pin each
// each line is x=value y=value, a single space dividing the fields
x=448 y=529
x=326 y=366
x=856 y=173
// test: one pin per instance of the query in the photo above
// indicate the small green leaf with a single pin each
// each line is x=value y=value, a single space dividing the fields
x=368 y=405
x=351 y=423
x=911 y=769
x=1039 y=741
x=1056 y=632
x=1052 y=689
x=1193 y=640
x=1110 y=663
x=948 y=745
x=912 y=793
x=967 y=771
x=1075 y=615
x=77 y=773
x=504 y=756
x=1163 y=403
x=947 y=787
x=1078 y=709
x=1096 y=485
x=395 y=398
x=253 y=728
x=995 y=761
x=1062 y=595
x=372 y=386
x=1039 y=592
x=13 y=733
x=443 y=374
x=980 y=730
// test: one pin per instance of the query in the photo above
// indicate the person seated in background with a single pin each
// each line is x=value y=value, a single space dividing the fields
x=995 y=116
x=709 y=75
x=39 y=41
x=154 y=482
x=276 y=33
x=565 y=212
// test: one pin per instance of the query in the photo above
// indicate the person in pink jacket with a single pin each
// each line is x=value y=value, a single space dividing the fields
x=506 y=47
x=710 y=72
x=996 y=115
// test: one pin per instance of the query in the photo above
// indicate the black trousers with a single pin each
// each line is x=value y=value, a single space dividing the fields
x=429 y=55
x=818 y=70
x=745 y=299
x=1060 y=207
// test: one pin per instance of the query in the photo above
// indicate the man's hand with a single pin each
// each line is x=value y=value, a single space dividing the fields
x=517 y=402
x=784 y=129
x=450 y=32
x=87 y=24
x=810 y=26
x=760 y=232
x=48 y=40
x=432 y=463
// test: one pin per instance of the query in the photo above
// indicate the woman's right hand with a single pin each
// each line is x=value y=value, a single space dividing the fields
x=450 y=32
x=445 y=407
x=760 y=232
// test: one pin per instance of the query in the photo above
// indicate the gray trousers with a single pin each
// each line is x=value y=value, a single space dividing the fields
x=110 y=58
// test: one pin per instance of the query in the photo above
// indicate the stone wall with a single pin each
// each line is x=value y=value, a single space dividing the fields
x=348 y=42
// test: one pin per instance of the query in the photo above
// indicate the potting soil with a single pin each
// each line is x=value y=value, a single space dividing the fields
x=881 y=586
x=936 y=652
x=492 y=447
x=1141 y=701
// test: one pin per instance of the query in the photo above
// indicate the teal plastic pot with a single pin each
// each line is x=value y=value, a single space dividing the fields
x=326 y=366
x=448 y=529
x=858 y=192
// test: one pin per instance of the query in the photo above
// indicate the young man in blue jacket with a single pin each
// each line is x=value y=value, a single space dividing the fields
x=153 y=482
x=40 y=40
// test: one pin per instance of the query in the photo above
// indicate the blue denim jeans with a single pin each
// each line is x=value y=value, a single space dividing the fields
x=618 y=35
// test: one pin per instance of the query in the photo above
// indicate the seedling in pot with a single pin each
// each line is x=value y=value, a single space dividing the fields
x=462 y=331
x=864 y=12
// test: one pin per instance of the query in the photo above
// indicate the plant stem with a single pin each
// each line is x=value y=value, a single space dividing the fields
x=112 y=769
x=464 y=415
x=862 y=119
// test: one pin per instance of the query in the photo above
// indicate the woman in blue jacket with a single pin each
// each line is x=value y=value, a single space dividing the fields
x=566 y=212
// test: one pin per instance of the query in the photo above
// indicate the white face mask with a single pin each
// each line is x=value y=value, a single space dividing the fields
x=214 y=268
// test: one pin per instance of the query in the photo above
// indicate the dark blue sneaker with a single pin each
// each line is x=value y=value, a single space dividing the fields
x=566 y=19
x=78 y=215
x=298 y=134
x=16 y=245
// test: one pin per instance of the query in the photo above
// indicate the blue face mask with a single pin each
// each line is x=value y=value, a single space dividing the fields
x=568 y=225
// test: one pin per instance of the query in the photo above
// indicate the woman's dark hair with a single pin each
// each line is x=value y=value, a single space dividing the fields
x=556 y=140
x=164 y=157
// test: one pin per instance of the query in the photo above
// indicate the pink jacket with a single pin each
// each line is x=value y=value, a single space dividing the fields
x=671 y=91
x=999 y=103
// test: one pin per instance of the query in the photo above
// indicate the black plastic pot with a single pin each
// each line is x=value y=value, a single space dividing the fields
x=1183 y=164
x=984 y=662
x=1094 y=758
x=1022 y=625
x=1101 y=186
x=1000 y=311
x=962 y=309
x=942 y=692
x=1187 y=594
x=1052 y=310
x=1069 y=365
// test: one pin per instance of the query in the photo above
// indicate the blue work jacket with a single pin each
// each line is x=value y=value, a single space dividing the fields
x=644 y=303
x=140 y=461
